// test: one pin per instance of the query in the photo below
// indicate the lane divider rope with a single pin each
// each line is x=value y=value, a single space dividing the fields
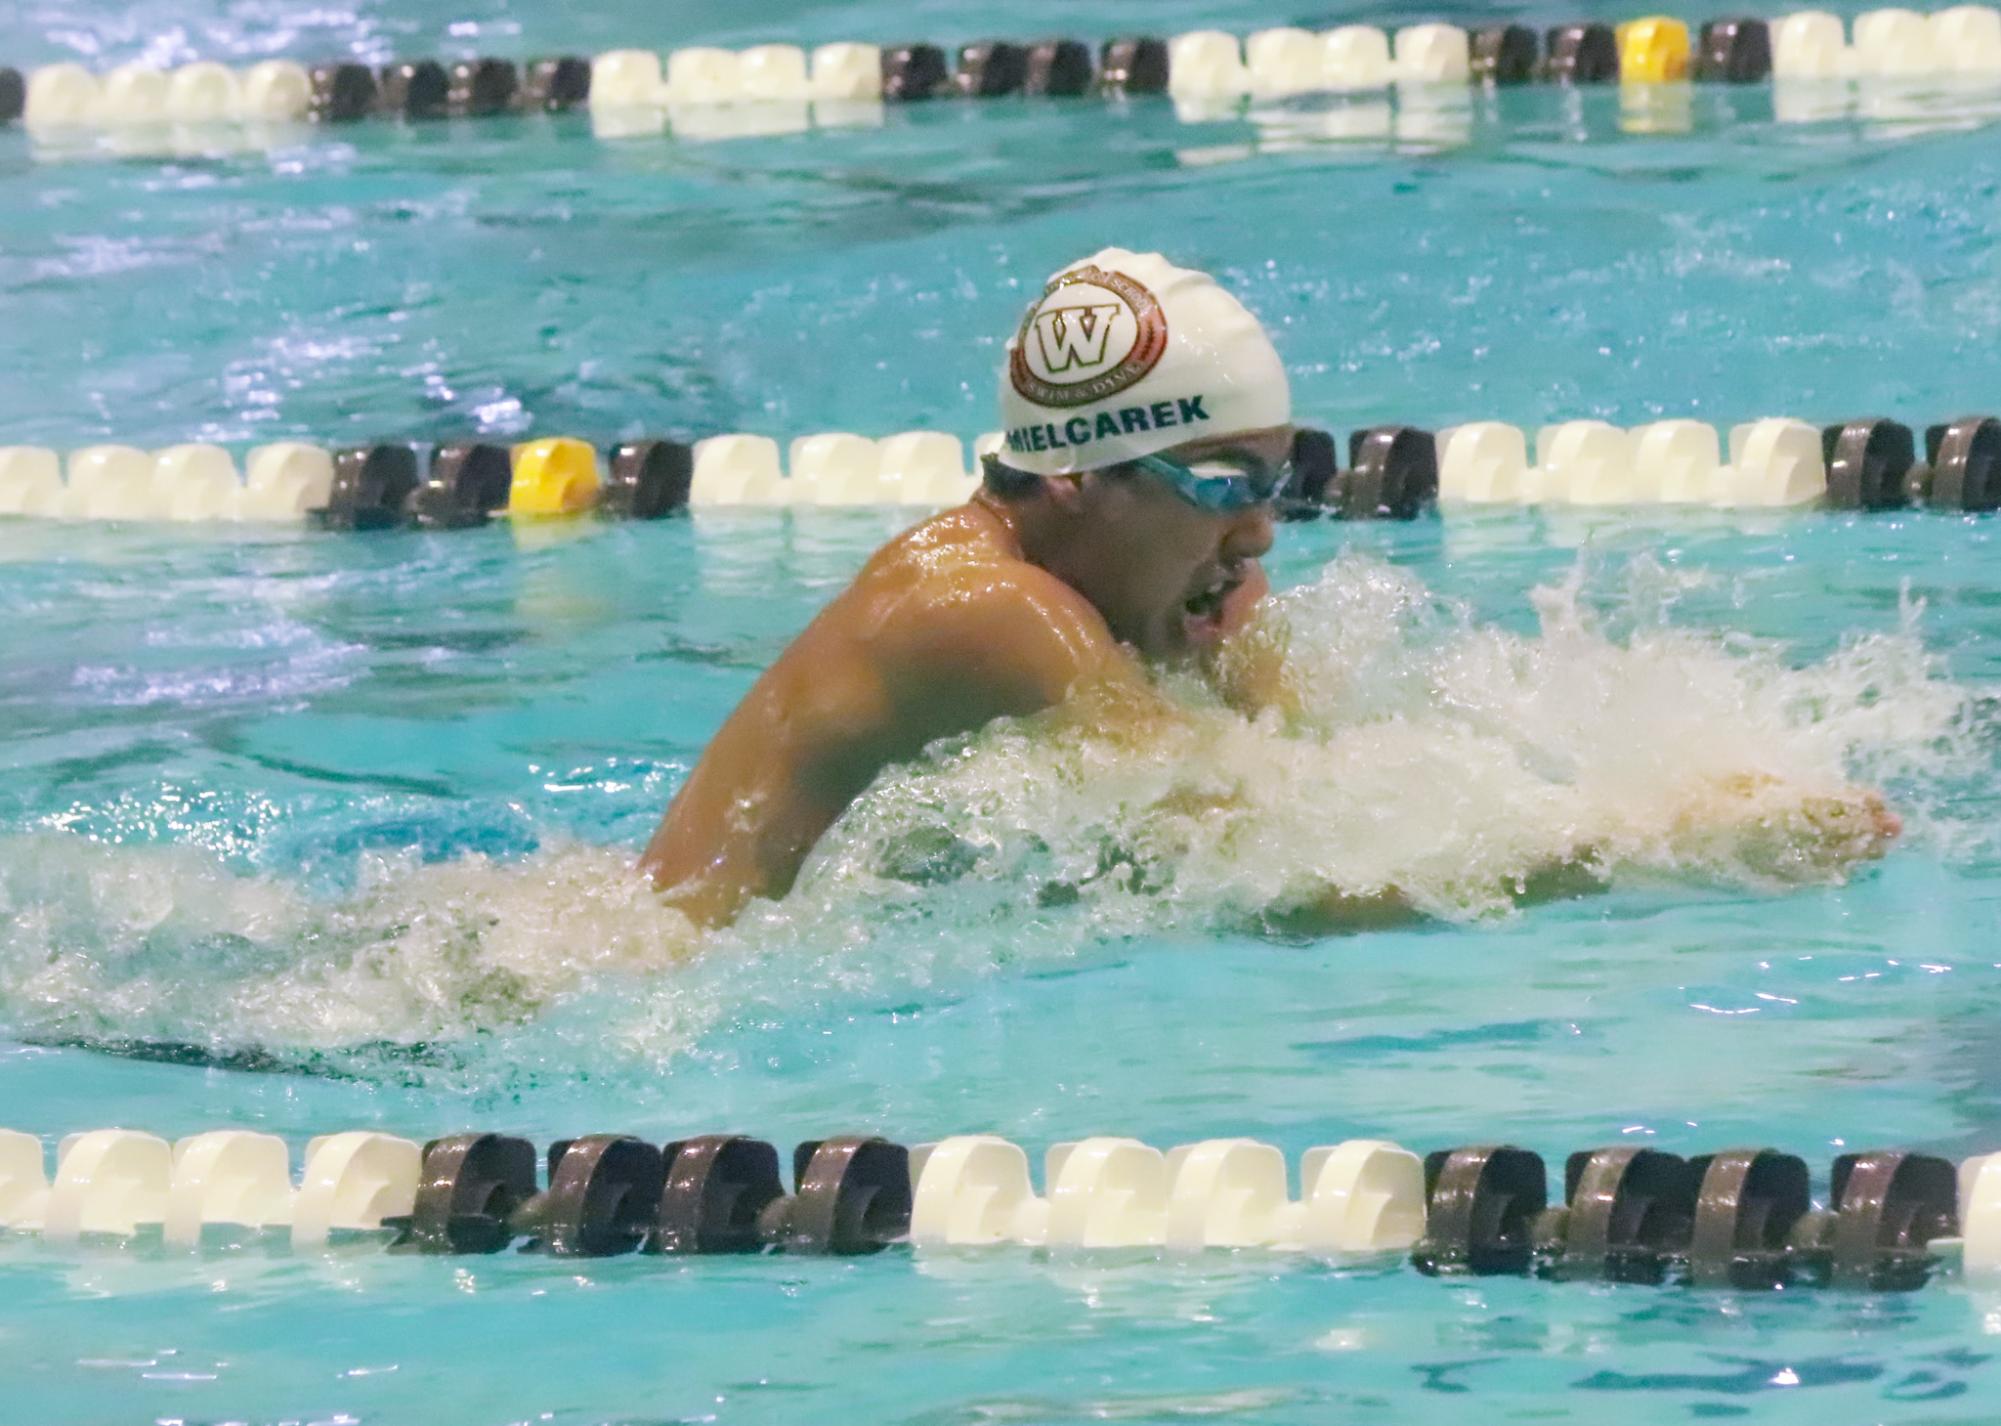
x=1274 y=63
x=461 y=484
x=1739 y=1218
x=1389 y=472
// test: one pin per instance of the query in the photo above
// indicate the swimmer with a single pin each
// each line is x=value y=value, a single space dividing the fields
x=1148 y=430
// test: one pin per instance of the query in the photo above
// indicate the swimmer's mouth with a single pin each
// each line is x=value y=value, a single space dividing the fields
x=1209 y=603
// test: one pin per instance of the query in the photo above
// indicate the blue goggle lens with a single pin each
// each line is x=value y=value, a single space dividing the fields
x=1218 y=485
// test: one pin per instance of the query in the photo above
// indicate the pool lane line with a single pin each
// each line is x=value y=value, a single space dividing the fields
x=1741 y=1218
x=1278 y=63
x=1391 y=472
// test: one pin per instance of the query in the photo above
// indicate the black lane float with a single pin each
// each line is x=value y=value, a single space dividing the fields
x=609 y=1194
x=1742 y=1218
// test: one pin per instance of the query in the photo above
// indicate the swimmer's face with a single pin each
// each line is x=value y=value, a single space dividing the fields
x=1169 y=576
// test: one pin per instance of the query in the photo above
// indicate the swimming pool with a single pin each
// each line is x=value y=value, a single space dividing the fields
x=363 y=803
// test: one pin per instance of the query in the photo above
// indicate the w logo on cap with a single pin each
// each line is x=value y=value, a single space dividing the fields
x=1093 y=334
x=1075 y=336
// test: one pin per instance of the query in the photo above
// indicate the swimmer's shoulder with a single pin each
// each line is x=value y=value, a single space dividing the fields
x=955 y=595
x=963 y=560
x=964 y=534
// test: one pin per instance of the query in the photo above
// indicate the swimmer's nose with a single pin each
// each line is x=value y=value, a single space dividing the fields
x=1249 y=535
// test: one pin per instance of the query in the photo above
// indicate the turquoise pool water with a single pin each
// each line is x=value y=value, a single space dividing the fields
x=364 y=806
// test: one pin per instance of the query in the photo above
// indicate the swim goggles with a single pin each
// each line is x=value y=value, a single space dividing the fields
x=1219 y=486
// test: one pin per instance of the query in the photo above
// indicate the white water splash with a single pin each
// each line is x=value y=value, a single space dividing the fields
x=1432 y=756
x=1429 y=753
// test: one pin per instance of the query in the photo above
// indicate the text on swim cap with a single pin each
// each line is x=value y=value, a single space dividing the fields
x=1126 y=421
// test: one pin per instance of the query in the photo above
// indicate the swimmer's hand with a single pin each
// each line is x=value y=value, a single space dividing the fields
x=1745 y=822
x=1775 y=831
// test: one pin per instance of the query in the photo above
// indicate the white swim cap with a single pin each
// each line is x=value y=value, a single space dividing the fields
x=1124 y=354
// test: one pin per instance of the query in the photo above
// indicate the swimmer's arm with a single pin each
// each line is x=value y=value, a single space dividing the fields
x=1751 y=823
x=883 y=678
x=736 y=822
